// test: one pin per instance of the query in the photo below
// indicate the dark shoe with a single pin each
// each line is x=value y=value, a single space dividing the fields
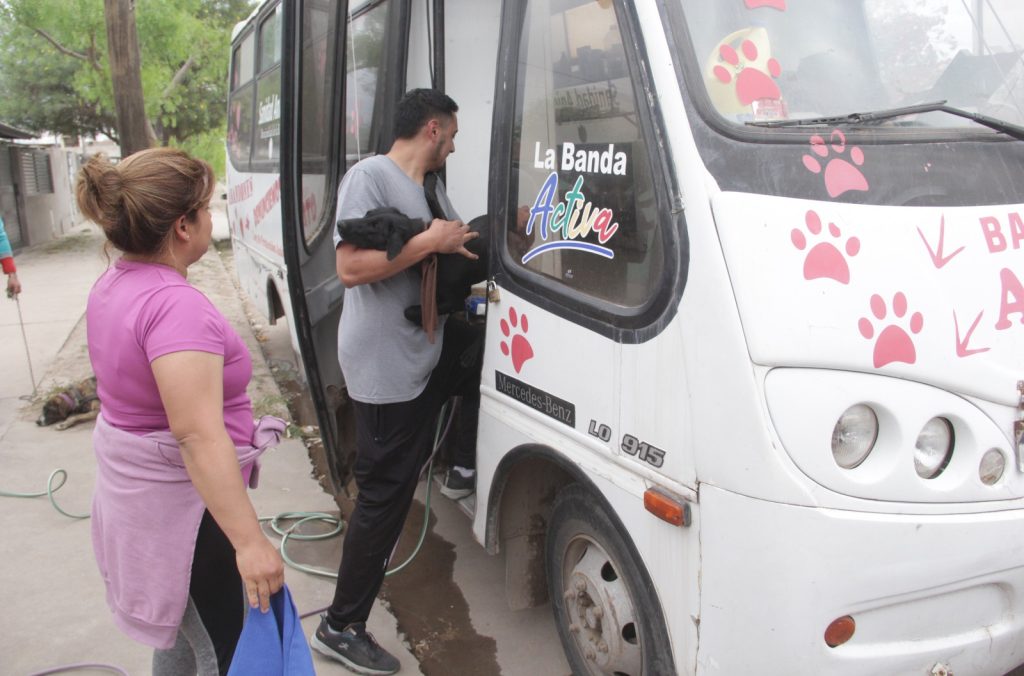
x=456 y=486
x=355 y=648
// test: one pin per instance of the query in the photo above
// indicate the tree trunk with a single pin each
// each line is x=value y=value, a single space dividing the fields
x=126 y=75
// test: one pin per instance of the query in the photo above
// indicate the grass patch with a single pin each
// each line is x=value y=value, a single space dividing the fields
x=79 y=241
x=270 y=404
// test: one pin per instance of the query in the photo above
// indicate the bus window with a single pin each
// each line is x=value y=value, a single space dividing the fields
x=581 y=167
x=319 y=40
x=240 y=106
x=268 y=91
x=365 y=52
x=270 y=41
x=242 y=63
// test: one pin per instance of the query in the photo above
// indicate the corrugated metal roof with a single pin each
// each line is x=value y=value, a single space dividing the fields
x=7 y=131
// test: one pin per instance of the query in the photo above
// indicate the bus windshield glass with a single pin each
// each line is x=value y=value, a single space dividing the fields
x=775 y=60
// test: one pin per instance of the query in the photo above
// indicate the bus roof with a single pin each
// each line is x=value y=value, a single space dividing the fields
x=240 y=26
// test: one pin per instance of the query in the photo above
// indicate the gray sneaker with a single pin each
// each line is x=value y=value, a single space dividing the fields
x=355 y=648
x=456 y=486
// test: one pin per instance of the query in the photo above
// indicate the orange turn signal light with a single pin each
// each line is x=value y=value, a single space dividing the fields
x=840 y=631
x=666 y=507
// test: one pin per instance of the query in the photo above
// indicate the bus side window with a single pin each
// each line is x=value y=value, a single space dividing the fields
x=580 y=163
x=319 y=130
x=240 y=106
x=365 y=56
x=268 y=91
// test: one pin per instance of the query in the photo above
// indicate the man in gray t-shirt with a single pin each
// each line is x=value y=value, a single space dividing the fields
x=397 y=378
x=373 y=331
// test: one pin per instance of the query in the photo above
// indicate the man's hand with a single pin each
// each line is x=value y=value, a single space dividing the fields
x=451 y=237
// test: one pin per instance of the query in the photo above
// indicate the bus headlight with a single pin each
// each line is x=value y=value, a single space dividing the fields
x=934 y=448
x=854 y=435
x=992 y=465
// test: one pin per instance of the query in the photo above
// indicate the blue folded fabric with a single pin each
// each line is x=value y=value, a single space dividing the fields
x=272 y=643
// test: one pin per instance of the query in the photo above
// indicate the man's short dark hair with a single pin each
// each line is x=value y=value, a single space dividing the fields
x=419 y=106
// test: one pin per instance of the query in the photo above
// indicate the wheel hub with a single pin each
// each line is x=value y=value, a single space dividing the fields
x=601 y=615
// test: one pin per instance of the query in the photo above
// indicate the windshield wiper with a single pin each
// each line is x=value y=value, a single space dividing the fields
x=1008 y=128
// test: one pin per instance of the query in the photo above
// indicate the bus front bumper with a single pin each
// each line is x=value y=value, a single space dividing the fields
x=925 y=592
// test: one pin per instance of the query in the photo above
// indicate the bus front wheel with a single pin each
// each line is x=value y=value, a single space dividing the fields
x=600 y=595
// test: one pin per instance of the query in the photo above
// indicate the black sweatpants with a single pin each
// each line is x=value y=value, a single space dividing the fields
x=393 y=442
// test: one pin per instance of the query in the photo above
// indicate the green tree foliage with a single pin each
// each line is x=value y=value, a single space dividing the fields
x=49 y=86
x=54 y=74
x=208 y=145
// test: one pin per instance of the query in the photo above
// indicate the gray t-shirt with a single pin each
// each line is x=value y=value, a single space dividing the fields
x=384 y=357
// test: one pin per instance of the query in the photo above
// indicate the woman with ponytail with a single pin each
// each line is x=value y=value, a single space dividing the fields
x=176 y=538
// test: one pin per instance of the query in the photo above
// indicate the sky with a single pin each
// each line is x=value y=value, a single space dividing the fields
x=1009 y=12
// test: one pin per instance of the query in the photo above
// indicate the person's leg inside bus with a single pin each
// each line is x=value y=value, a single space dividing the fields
x=458 y=374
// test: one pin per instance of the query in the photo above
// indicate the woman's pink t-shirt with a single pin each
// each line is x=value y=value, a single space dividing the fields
x=140 y=311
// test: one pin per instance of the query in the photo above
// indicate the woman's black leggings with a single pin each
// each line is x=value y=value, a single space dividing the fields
x=216 y=589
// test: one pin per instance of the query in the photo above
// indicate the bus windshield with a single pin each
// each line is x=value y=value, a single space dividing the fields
x=767 y=60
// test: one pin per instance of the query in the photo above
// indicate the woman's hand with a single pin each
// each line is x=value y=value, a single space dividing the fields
x=262 y=571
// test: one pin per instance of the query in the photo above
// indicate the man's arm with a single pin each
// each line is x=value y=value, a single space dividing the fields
x=357 y=266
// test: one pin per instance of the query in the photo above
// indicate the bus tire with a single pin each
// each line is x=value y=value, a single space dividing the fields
x=607 y=614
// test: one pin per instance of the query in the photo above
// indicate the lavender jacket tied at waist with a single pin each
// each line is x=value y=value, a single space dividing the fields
x=145 y=517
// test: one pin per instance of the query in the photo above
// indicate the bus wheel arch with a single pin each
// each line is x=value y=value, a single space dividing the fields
x=523 y=490
x=533 y=517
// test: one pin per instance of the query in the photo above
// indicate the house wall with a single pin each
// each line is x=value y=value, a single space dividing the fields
x=47 y=215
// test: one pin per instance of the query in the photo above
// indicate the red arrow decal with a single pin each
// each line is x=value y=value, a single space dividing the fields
x=961 y=345
x=937 y=258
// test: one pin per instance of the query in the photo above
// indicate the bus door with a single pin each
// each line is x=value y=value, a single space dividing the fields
x=588 y=261
x=589 y=251
x=343 y=62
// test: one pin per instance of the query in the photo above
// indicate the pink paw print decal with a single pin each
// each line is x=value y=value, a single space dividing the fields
x=751 y=83
x=893 y=343
x=517 y=347
x=824 y=260
x=841 y=175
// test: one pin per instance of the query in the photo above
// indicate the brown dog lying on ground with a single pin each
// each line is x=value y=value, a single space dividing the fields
x=77 y=403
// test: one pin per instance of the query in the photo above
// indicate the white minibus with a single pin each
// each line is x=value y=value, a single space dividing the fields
x=752 y=395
